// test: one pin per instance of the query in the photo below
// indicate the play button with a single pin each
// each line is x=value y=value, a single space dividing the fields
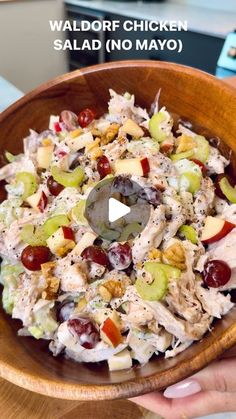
x=117 y=208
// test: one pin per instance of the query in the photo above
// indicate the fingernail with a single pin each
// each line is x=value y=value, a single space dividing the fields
x=182 y=389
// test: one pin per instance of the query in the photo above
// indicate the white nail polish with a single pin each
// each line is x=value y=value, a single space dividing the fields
x=182 y=389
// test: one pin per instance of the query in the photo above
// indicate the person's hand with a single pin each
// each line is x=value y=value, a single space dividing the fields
x=211 y=390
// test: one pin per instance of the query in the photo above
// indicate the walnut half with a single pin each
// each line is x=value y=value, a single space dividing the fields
x=50 y=292
x=175 y=256
x=111 y=289
x=53 y=283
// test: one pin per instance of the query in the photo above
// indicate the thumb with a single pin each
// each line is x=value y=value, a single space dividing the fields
x=219 y=376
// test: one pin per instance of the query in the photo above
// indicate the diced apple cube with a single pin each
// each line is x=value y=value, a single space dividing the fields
x=77 y=143
x=44 y=156
x=136 y=166
x=120 y=361
x=86 y=241
x=53 y=119
x=215 y=229
x=61 y=241
x=130 y=127
x=110 y=331
x=38 y=201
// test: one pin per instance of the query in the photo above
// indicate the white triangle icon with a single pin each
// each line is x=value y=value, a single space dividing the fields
x=116 y=210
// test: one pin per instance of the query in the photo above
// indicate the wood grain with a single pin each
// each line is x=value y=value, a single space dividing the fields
x=17 y=403
x=188 y=92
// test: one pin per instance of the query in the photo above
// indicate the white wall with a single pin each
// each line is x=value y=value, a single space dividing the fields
x=27 y=58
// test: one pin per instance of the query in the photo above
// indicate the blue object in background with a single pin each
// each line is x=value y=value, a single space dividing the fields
x=8 y=94
x=226 y=65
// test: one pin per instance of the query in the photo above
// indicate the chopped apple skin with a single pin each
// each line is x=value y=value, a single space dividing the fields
x=68 y=233
x=79 y=142
x=130 y=127
x=42 y=202
x=145 y=166
x=37 y=201
x=53 y=120
x=44 y=156
x=110 y=333
x=215 y=229
x=61 y=241
x=87 y=240
x=136 y=166
x=120 y=361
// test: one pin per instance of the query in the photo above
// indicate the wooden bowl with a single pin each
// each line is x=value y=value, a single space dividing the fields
x=188 y=92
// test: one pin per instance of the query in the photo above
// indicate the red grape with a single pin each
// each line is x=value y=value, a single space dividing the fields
x=32 y=257
x=65 y=310
x=3 y=192
x=85 y=117
x=85 y=330
x=54 y=187
x=218 y=190
x=124 y=186
x=103 y=167
x=120 y=256
x=69 y=119
x=95 y=254
x=151 y=195
x=216 y=273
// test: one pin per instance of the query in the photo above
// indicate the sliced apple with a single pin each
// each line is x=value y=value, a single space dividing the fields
x=136 y=166
x=44 y=156
x=54 y=119
x=110 y=333
x=120 y=361
x=86 y=241
x=79 y=142
x=61 y=241
x=215 y=229
x=38 y=201
x=130 y=127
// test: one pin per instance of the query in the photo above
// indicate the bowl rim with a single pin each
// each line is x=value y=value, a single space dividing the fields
x=139 y=385
x=113 y=65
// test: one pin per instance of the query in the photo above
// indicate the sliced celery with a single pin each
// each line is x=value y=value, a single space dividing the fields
x=157 y=289
x=228 y=190
x=189 y=233
x=77 y=213
x=68 y=179
x=108 y=233
x=129 y=230
x=154 y=126
x=33 y=236
x=53 y=223
x=9 y=156
x=29 y=182
x=185 y=155
x=170 y=271
x=36 y=332
x=190 y=182
x=203 y=148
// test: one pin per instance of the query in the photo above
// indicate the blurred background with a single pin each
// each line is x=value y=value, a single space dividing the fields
x=27 y=57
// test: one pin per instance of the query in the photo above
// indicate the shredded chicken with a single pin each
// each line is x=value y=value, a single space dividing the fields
x=152 y=234
x=203 y=203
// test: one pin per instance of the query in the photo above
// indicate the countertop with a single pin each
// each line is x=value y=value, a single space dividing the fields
x=200 y=19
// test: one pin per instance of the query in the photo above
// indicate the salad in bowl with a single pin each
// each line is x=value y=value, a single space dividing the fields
x=151 y=290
